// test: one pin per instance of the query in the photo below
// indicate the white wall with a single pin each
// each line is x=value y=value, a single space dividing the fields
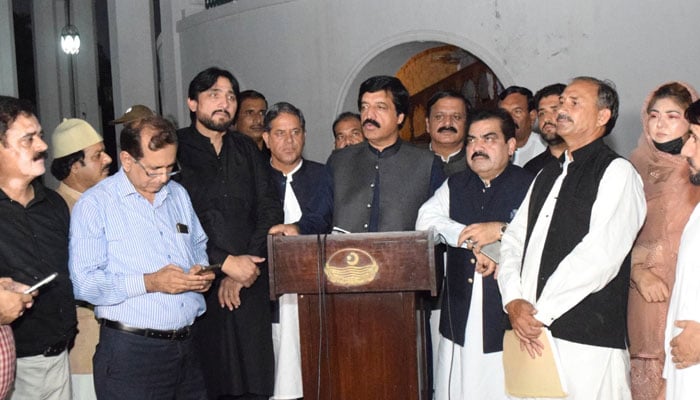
x=132 y=50
x=8 y=77
x=314 y=53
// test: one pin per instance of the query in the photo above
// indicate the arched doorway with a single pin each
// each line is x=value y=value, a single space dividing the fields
x=445 y=67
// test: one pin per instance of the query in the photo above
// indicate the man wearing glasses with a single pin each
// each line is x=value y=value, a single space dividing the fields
x=135 y=252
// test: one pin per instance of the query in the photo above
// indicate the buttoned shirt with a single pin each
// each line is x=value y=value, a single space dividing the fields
x=33 y=245
x=117 y=236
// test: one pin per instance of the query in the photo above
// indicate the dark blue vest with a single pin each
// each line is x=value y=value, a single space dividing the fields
x=471 y=202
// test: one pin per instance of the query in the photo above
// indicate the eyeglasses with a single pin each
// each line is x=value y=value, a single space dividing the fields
x=156 y=174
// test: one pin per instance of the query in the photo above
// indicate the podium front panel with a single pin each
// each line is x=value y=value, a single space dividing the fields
x=352 y=263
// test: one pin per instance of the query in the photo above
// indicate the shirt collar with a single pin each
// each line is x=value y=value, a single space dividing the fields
x=125 y=188
x=388 y=151
x=582 y=153
x=39 y=192
x=445 y=160
x=291 y=173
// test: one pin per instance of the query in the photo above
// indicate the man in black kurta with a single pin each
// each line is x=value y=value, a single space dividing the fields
x=236 y=202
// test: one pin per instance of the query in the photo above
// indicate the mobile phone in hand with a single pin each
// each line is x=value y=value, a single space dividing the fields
x=42 y=283
x=209 y=268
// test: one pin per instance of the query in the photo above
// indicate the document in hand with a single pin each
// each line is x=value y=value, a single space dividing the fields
x=532 y=377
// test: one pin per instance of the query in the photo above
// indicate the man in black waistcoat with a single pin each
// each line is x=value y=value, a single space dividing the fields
x=234 y=197
x=471 y=210
x=565 y=261
x=379 y=185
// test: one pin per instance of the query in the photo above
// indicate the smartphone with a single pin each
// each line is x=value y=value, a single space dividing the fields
x=209 y=268
x=42 y=283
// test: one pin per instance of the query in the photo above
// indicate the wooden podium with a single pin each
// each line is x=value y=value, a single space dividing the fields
x=360 y=313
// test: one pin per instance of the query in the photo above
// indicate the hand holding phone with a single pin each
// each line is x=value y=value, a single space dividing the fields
x=209 y=268
x=42 y=283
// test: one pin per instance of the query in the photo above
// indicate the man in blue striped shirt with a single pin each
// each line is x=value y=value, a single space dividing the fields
x=136 y=247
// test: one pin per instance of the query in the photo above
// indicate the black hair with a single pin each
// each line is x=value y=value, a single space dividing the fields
x=393 y=85
x=555 y=89
x=343 y=116
x=450 y=94
x=10 y=109
x=519 y=90
x=205 y=80
x=283 y=108
x=130 y=137
x=507 y=123
x=60 y=167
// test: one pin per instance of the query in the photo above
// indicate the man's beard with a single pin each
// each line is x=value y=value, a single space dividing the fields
x=554 y=140
x=218 y=127
x=695 y=179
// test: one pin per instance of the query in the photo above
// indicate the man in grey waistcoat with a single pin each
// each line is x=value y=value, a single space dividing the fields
x=379 y=184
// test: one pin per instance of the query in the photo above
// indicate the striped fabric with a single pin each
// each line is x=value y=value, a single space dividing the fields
x=117 y=236
x=7 y=360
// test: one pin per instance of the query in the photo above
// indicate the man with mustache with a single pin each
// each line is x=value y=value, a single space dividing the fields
x=565 y=257
x=79 y=163
x=233 y=194
x=517 y=100
x=79 y=158
x=33 y=245
x=347 y=130
x=682 y=369
x=469 y=211
x=446 y=123
x=379 y=185
x=546 y=103
x=251 y=110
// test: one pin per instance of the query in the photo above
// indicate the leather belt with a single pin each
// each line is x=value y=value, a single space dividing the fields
x=175 y=334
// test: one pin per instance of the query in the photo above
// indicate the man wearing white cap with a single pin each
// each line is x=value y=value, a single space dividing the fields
x=79 y=158
x=80 y=162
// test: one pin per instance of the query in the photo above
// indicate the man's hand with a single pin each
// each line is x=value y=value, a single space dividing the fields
x=484 y=265
x=242 y=269
x=195 y=270
x=230 y=293
x=685 y=348
x=481 y=234
x=526 y=327
x=285 y=230
x=173 y=280
x=650 y=285
x=12 y=301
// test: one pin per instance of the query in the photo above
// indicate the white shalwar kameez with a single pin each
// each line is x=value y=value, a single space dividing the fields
x=285 y=334
x=684 y=305
x=590 y=372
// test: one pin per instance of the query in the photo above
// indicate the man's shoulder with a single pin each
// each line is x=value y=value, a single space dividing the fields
x=313 y=165
x=104 y=191
x=519 y=173
x=415 y=151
